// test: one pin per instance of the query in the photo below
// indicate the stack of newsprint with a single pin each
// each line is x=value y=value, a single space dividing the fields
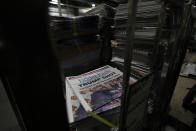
x=76 y=39
x=103 y=10
x=145 y=34
x=106 y=15
x=97 y=91
x=69 y=28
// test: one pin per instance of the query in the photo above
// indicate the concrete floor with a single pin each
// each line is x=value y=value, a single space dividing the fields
x=177 y=111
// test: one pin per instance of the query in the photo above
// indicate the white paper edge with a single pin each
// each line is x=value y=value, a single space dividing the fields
x=80 y=98
x=68 y=103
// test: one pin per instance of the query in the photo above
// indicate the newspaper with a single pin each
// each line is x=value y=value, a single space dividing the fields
x=98 y=91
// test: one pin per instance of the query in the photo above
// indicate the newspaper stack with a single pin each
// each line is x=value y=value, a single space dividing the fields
x=76 y=39
x=145 y=33
x=103 y=10
x=106 y=15
x=97 y=91
x=66 y=28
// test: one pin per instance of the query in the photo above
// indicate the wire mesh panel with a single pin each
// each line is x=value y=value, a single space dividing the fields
x=140 y=33
x=136 y=117
x=125 y=39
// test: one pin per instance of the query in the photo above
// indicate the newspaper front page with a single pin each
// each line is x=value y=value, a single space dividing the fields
x=98 y=91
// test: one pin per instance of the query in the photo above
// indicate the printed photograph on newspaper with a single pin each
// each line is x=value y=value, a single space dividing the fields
x=100 y=89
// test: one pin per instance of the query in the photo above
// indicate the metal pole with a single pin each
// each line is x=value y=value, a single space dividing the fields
x=59 y=7
x=132 y=5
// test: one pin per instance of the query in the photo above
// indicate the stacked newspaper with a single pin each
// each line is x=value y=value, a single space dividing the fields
x=103 y=10
x=145 y=34
x=106 y=15
x=76 y=39
x=68 y=28
x=97 y=91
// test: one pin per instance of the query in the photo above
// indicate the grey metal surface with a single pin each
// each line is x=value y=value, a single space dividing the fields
x=8 y=120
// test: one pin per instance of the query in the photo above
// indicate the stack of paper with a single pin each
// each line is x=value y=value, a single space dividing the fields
x=145 y=34
x=76 y=39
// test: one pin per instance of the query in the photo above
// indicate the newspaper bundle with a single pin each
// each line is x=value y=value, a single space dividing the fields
x=146 y=25
x=98 y=91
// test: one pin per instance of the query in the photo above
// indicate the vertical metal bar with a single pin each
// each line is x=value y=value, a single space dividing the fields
x=59 y=7
x=132 y=5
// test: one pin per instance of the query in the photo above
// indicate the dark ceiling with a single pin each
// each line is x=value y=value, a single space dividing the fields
x=114 y=3
x=88 y=3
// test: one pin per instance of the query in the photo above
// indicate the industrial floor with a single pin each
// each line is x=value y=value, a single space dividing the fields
x=177 y=111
